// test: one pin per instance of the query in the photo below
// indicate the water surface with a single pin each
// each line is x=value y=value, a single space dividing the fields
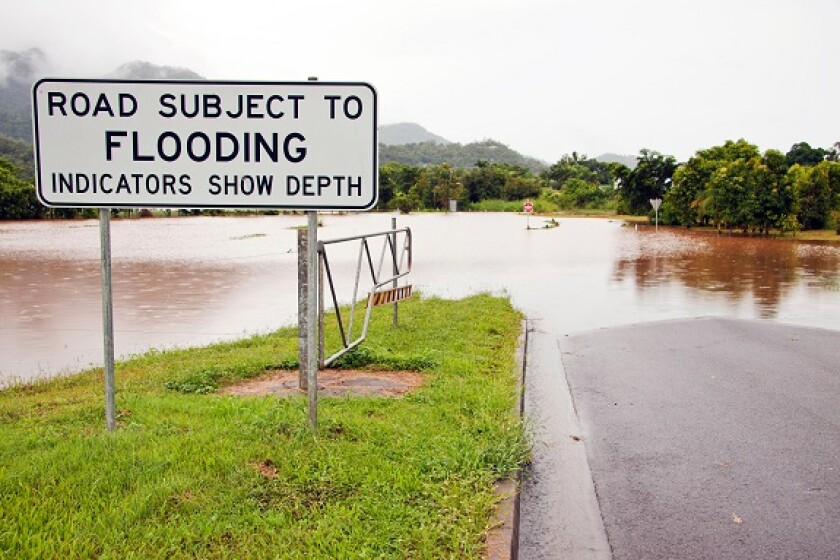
x=185 y=281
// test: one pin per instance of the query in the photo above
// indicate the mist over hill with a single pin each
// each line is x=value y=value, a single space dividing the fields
x=458 y=155
x=407 y=133
x=412 y=144
x=401 y=142
x=18 y=71
x=142 y=70
x=629 y=161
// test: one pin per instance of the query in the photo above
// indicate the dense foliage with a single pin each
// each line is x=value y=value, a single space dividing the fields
x=648 y=180
x=457 y=155
x=17 y=196
x=732 y=186
x=19 y=154
x=406 y=187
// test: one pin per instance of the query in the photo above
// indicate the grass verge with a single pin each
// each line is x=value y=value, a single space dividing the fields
x=190 y=473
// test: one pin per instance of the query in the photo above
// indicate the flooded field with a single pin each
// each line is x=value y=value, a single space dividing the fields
x=186 y=281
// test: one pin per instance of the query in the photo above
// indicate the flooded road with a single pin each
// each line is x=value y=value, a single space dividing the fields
x=187 y=281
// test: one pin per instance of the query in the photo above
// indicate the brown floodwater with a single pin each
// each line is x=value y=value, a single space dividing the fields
x=187 y=281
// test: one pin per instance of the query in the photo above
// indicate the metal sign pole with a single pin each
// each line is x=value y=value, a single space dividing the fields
x=656 y=203
x=303 y=314
x=396 y=315
x=312 y=318
x=107 y=315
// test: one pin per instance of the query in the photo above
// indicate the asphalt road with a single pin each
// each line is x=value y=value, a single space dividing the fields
x=704 y=438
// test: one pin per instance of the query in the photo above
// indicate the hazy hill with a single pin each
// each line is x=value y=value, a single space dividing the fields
x=403 y=142
x=20 y=70
x=407 y=133
x=412 y=144
x=141 y=70
x=629 y=161
x=19 y=153
x=457 y=155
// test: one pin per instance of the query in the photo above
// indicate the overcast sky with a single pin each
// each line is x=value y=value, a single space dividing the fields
x=545 y=77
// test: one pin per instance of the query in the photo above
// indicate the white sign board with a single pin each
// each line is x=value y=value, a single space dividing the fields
x=205 y=144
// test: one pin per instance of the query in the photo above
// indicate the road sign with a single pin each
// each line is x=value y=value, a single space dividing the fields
x=528 y=207
x=656 y=203
x=206 y=144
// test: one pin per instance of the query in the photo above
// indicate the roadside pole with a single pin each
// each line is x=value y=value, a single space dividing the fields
x=303 y=310
x=656 y=203
x=312 y=318
x=313 y=354
x=396 y=318
x=107 y=316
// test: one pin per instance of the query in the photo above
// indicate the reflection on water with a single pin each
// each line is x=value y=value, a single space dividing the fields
x=184 y=281
x=767 y=270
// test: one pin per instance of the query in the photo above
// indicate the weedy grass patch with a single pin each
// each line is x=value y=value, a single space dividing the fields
x=191 y=473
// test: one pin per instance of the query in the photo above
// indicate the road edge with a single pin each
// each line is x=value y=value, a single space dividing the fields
x=503 y=538
x=560 y=511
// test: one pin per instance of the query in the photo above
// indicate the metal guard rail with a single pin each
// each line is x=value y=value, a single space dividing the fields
x=401 y=267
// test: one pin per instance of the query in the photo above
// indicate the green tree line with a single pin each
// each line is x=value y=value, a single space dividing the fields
x=456 y=155
x=732 y=186
x=735 y=186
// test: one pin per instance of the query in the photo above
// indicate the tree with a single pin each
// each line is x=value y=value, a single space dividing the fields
x=803 y=154
x=517 y=187
x=649 y=179
x=461 y=156
x=577 y=166
x=395 y=178
x=683 y=203
x=690 y=201
x=405 y=202
x=437 y=185
x=732 y=195
x=20 y=155
x=484 y=181
x=17 y=196
x=818 y=189
x=833 y=153
x=582 y=194
x=776 y=200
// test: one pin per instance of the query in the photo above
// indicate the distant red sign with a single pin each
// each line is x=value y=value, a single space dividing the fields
x=528 y=208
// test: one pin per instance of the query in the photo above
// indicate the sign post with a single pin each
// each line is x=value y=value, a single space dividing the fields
x=656 y=203
x=107 y=317
x=206 y=144
x=313 y=353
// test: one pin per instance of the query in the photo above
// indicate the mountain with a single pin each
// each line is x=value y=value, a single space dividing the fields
x=142 y=70
x=18 y=71
x=19 y=154
x=629 y=161
x=407 y=133
x=457 y=155
x=403 y=142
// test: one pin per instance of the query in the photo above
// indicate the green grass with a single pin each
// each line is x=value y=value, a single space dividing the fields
x=193 y=474
x=815 y=235
x=496 y=205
